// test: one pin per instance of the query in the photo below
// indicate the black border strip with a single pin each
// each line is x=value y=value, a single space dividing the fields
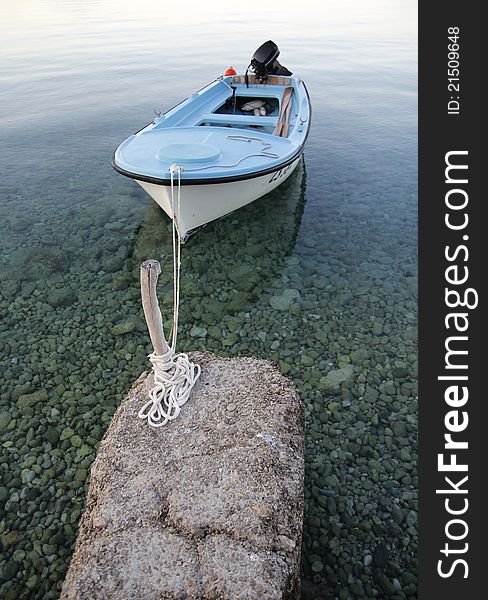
x=452 y=497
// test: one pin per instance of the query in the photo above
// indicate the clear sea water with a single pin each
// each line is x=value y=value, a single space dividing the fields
x=75 y=79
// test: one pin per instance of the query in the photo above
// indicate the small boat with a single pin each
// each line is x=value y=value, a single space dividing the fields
x=226 y=145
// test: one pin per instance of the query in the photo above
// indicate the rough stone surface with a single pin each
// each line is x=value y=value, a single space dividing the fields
x=209 y=506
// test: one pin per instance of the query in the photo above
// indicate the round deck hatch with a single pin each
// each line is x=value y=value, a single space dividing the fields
x=188 y=153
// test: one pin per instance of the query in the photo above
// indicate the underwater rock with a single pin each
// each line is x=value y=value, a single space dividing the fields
x=123 y=328
x=51 y=435
x=287 y=298
x=122 y=281
x=334 y=379
x=5 y=419
x=33 y=263
x=244 y=277
x=26 y=401
x=196 y=331
x=9 y=288
x=19 y=222
x=27 y=288
x=239 y=302
x=113 y=264
x=61 y=297
x=400 y=372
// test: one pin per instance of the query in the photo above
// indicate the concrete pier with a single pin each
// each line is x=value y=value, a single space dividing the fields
x=208 y=506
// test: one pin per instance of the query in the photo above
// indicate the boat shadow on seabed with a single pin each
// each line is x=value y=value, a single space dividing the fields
x=229 y=263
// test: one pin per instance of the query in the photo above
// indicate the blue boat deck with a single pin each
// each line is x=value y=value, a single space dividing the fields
x=209 y=140
x=203 y=151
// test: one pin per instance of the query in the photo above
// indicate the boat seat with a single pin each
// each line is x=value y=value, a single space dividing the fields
x=282 y=125
x=239 y=120
x=253 y=80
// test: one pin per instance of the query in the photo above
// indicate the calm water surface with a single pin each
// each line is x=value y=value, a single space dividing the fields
x=319 y=276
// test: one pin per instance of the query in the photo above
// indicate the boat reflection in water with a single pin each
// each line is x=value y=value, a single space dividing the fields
x=227 y=265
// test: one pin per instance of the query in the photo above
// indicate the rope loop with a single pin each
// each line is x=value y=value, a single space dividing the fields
x=174 y=378
x=174 y=374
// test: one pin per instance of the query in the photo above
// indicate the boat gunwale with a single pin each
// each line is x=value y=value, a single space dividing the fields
x=225 y=179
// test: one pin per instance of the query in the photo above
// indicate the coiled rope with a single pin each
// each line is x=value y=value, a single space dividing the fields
x=174 y=373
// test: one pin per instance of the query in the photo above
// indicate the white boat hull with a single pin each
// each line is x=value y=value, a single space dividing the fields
x=203 y=203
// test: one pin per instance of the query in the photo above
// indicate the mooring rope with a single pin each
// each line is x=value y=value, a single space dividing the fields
x=174 y=373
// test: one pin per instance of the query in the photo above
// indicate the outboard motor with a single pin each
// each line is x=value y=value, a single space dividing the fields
x=264 y=62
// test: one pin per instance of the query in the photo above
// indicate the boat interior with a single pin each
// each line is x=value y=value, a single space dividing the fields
x=224 y=105
x=232 y=111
